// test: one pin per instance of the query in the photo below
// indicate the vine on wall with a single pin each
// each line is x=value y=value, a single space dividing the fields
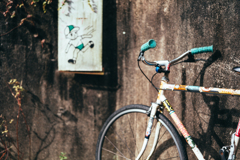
x=22 y=11
x=18 y=13
x=10 y=148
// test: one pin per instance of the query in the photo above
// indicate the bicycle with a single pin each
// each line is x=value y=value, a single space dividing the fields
x=140 y=121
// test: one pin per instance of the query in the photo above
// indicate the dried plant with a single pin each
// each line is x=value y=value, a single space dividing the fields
x=5 y=137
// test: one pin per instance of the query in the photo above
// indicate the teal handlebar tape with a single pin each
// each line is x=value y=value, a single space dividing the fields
x=150 y=44
x=202 y=49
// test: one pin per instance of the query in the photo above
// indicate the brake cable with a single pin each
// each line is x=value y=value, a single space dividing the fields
x=147 y=77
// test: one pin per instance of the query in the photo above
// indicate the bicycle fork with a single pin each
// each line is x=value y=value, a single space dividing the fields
x=162 y=100
x=231 y=151
x=153 y=108
x=153 y=111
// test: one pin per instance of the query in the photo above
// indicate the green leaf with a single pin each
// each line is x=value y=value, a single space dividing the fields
x=62 y=156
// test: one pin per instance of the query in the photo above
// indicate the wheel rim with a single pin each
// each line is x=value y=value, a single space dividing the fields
x=125 y=134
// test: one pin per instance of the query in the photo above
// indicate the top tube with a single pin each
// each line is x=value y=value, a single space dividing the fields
x=199 y=89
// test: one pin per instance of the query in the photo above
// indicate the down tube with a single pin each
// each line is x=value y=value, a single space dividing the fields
x=183 y=130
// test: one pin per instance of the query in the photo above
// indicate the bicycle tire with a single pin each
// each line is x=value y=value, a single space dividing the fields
x=109 y=138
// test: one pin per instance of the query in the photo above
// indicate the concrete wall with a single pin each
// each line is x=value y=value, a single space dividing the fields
x=178 y=26
x=66 y=111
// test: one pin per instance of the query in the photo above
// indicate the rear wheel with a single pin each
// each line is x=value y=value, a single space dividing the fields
x=122 y=136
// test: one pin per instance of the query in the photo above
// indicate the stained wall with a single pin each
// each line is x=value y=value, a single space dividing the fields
x=178 y=26
x=66 y=111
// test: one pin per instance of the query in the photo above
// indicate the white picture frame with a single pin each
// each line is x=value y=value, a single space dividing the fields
x=80 y=35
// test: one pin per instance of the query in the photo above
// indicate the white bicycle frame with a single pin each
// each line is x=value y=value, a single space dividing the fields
x=161 y=100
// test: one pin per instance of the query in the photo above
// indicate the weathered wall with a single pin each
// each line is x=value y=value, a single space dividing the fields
x=66 y=111
x=178 y=26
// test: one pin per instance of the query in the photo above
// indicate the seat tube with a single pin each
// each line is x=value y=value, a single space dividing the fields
x=237 y=135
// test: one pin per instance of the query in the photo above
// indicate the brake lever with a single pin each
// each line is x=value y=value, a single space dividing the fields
x=141 y=54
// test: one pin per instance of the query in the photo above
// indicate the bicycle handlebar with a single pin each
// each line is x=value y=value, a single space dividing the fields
x=193 y=51
x=201 y=50
x=150 y=44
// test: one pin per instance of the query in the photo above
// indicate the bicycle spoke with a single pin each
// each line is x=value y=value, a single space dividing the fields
x=171 y=158
x=115 y=153
x=162 y=135
x=124 y=141
x=125 y=132
x=115 y=146
x=132 y=134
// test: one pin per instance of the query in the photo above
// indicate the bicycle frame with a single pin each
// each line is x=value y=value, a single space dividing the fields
x=164 y=67
x=162 y=100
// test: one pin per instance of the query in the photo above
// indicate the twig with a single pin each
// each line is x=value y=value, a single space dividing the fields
x=2 y=155
x=5 y=147
x=9 y=31
x=18 y=97
x=24 y=19
x=28 y=130
x=7 y=156
x=17 y=132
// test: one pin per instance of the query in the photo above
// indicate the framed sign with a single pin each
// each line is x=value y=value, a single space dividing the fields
x=80 y=35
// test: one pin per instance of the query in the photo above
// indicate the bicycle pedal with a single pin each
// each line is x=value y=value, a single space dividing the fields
x=223 y=153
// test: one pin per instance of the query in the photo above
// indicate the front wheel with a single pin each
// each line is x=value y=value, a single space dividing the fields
x=122 y=135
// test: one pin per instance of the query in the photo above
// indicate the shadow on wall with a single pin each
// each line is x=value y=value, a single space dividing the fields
x=92 y=97
x=214 y=103
x=208 y=136
x=85 y=87
x=205 y=140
